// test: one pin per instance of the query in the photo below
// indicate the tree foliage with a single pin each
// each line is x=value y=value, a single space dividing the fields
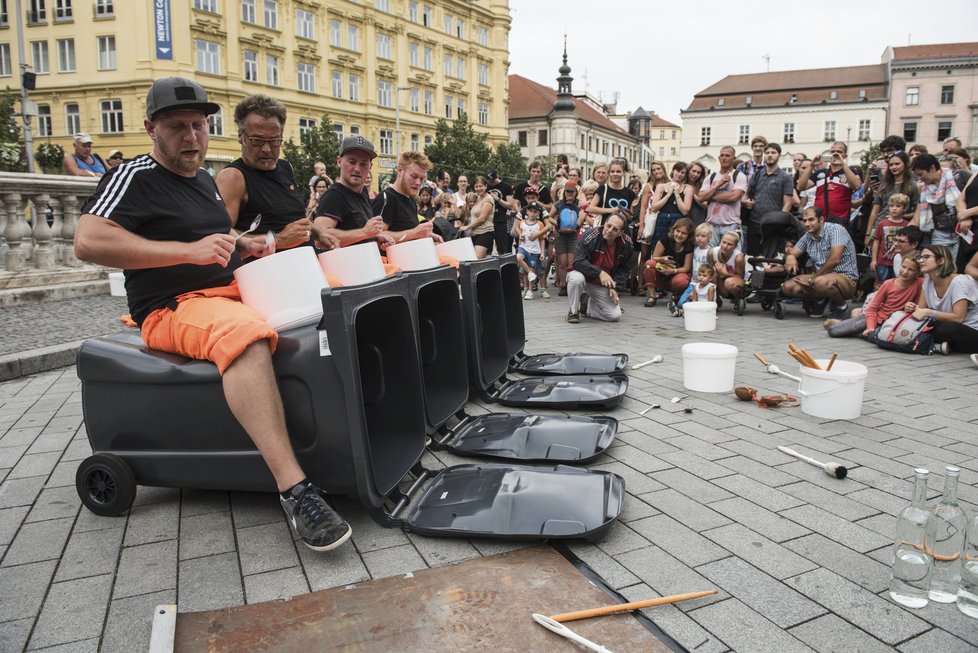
x=871 y=154
x=458 y=148
x=12 y=158
x=508 y=160
x=318 y=144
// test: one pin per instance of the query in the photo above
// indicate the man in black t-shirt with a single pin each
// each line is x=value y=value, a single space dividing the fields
x=504 y=204
x=344 y=211
x=161 y=218
x=397 y=205
x=543 y=191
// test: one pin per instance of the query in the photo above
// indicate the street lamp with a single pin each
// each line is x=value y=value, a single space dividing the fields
x=397 y=117
x=24 y=102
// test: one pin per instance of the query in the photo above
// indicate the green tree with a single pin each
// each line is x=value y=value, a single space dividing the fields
x=459 y=149
x=12 y=158
x=317 y=144
x=508 y=160
x=868 y=157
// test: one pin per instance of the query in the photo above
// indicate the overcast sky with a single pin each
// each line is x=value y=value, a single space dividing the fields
x=658 y=55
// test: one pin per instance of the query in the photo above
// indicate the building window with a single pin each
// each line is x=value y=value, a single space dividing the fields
x=427 y=58
x=834 y=95
x=542 y=136
x=721 y=102
x=744 y=135
x=248 y=11
x=355 y=87
x=335 y=39
x=705 y=135
x=662 y=151
x=111 y=112
x=448 y=106
x=271 y=14
x=862 y=94
x=943 y=130
x=103 y=8
x=39 y=57
x=271 y=70
x=72 y=118
x=427 y=17
x=385 y=94
x=36 y=12
x=521 y=138
x=482 y=36
x=673 y=134
x=306 y=125
x=304 y=24
x=384 y=49
x=44 y=120
x=106 y=52
x=483 y=113
x=208 y=57
x=206 y=5
x=5 y=68
x=336 y=77
x=215 y=123
x=449 y=65
x=338 y=130
x=250 y=66
x=459 y=107
x=429 y=102
x=386 y=141
x=415 y=142
x=910 y=131
x=789 y=132
x=794 y=99
x=413 y=11
x=448 y=24
x=947 y=94
x=66 y=55
x=414 y=97
x=460 y=67
x=354 y=130
x=913 y=96
x=62 y=9
x=353 y=38
x=428 y=140
x=484 y=74
x=672 y=151
x=829 y=131
x=864 y=126
x=306 y=77
x=384 y=5
x=413 y=56
x=460 y=28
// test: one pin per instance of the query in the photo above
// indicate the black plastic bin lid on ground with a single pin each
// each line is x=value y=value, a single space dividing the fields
x=567 y=364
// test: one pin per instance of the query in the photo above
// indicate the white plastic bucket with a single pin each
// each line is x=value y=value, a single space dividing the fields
x=285 y=288
x=117 y=284
x=837 y=394
x=417 y=254
x=353 y=265
x=460 y=249
x=700 y=316
x=709 y=367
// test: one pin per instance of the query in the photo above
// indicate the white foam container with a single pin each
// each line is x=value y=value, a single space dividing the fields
x=285 y=288
x=353 y=265
x=417 y=254
x=460 y=249
x=835 y=394
x=709 y=366
x=117 y=284
x=700 y=316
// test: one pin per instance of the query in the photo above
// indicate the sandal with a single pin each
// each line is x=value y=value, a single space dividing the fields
x=650 y=302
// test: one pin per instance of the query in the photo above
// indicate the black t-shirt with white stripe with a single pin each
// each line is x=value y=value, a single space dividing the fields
x=147 y=199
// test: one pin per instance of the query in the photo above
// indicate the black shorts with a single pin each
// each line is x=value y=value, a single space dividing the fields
x=483 y=240
x=565 y=243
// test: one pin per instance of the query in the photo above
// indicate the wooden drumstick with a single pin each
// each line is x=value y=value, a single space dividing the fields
x=626 y=607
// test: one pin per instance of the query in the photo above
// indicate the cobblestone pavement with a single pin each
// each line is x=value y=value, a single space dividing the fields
x=32 y=326
x=799 y=559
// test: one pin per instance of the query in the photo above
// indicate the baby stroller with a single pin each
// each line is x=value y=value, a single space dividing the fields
x=777 y=228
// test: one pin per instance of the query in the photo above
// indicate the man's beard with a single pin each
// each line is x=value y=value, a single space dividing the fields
x=177 y=162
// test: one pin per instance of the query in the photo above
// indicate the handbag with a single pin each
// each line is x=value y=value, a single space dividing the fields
x=651 y=217
x=901 y=331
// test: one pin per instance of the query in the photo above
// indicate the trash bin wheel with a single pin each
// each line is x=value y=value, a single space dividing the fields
x=105 y=484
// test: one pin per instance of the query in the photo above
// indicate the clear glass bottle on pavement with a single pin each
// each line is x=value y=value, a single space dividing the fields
x=910 y=573
x=945 y=540
x=968 y=590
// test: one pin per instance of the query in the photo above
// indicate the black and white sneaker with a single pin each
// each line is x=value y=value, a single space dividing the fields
x=313 y=519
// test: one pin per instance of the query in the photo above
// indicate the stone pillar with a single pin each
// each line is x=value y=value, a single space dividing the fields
x=57 y=237
x=68 y=226
x=43 y=251
x=14 y=233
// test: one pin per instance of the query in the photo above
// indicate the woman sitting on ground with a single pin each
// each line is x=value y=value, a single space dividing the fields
x=892 y=296
x=950 y=299
x=671 y=264
x=728 y=265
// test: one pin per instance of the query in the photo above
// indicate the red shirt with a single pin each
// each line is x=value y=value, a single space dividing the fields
x=605 y=260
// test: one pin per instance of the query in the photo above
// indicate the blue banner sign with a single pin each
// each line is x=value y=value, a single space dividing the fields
x=161 y=26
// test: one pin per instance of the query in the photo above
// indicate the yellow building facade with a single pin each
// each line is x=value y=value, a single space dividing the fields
x=366 y=63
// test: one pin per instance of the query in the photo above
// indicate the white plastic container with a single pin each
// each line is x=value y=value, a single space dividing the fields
x=460 y=249
x=285 y=288
x=417 y=254
x=700 y=316
x=837 y=394
x=117 y=284
x=709 y=366
x=353 y=265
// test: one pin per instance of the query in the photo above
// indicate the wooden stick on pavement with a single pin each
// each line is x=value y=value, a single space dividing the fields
x=626 y=607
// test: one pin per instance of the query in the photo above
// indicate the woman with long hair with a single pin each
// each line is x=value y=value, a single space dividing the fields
x=694 y=177
x=480 y=218
x=896 y=179
x=728 y=266
x=671 y=264
x=613 y=195
x=950 y=299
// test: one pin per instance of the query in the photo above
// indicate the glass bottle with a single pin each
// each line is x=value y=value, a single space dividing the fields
x=910 y=573
x=968 y=590
x=945 y=540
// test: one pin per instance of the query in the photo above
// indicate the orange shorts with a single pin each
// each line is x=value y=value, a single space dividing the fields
x=209 y=324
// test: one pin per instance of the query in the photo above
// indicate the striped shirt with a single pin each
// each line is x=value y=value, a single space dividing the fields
x=818 y=249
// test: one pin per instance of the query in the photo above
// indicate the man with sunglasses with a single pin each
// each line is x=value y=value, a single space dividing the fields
x=259 y=182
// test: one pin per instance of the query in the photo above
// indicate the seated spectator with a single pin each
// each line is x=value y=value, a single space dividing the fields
x=671 y=264
x=704 y=290
x=83 y=162
x=728 y=265
x=892 y=296
x=884 y=235
x=600 y=270
x=950 y=299
x=426 y=208
x=833 y=255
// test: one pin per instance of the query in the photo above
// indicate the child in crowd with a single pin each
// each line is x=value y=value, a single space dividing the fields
x=701 y=236
x=531 y=195
x=530 y=232
x=704 y=290
x=892 y=296
x=884 y=235
x=588 y=190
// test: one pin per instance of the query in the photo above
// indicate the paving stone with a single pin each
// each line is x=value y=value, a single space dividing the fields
x=835 y=528
x=63 y=474
x=393 y=561
x=759 y=493
x=936 y=640
x=609 y=569
x=859 y=568
x=38 y=464
x=691 y=485
x=645 y=442
x=24 y=587
x=52 y=440
x=674 y=622
x=777 y=602
x=90 y=553
x=686 y=545
x=885 y=525
x=20 y=491
x=697 y=446
x=210 y=583
x=686 y=510
x=38 y=541
x=72 y=611
x=442 y=550
x=696 y=465
x=279 y=584
x=882 y=501
x=636 y=483
x=55 y=503
x=884 y=620
x=266 y=548
x=637 y=459
x=130 y=622
x=761 y=552
x=742 y=629
x=830 y=634
x=767 y=454
x=206 y=534
x=19 y=437
x=335 y=568
x=757 y=471
x=146 y=568
x=254 y=508
x=152 y=523
x=830 y=501
x=760 y=520
x=667 y=575
x=634 y=508
x=202 y=502
x=147 y=495
x=622 y=538
x=948 y=618
x=10 y=521
x=14 y=634
x=89 y=521
x=11 y=455
x=83 y=646
x=817 y=476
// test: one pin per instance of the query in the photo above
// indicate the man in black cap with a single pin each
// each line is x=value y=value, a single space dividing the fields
x=161 y=218
x=503 y=194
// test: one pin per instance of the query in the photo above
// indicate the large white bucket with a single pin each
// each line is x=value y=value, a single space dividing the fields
x=117 y=284
x=709 y=366
x=837 y=394
x=353 y=265
x=700 y=316
x=417 y=254
x=460 y=249
x=285 y=288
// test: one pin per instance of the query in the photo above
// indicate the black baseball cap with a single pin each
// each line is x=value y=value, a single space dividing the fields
x=357 y=142
x=534 y=206
x=177 y=93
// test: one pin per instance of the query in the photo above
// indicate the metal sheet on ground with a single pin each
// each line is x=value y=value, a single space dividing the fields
x=478 y=605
